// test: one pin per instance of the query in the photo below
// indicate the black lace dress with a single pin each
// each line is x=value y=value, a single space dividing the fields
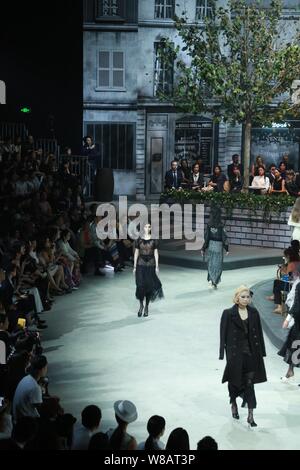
x=147 y=283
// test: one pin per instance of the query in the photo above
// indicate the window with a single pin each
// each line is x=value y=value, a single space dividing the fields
x=164 y=9
x=115 y=144
x=204 y=9
x=286 y=4
x=163 y=73
x=110 y=9
x=111 y=70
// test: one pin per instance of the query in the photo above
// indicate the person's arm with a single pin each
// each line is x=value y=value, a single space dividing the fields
x=261 y=336
x=223 y=333
x=136 y=255
x=225 y=240
x=267 y=183
x=156 y=256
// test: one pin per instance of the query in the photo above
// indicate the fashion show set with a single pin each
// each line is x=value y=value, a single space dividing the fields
x=150 y=227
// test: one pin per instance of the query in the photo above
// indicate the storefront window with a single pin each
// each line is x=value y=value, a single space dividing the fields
x=194 y=141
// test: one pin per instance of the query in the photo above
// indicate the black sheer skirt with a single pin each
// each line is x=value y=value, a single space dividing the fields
x=148 y=284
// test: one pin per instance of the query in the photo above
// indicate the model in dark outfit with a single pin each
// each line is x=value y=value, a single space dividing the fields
x=215 y=242
x=241 y=337
x=148 y=286
x=290 y=351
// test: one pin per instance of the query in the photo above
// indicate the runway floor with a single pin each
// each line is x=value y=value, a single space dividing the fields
x=99 y=351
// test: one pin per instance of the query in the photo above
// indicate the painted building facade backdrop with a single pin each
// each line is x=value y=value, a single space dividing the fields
x=136 y=134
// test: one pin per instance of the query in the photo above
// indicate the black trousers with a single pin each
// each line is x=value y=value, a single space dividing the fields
x=279 y=286
x=246 y=391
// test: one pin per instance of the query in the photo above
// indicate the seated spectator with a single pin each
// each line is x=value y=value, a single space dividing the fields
x=290 y=268
x=186 y=171
x=173 y=177
x=235 y=164
x=65 y=428
x=24 y=431
x=207 y=443
x=282 y=169
x=99 y=441
x=125 y=413
x=271 y=174
x=261 y=183
x=278 y=185
x=90 y=422
x=17 y=366
x=255 y=167
x=178 y=441
x=236 y=182
x=196 y=179
x=28 y=396
x=217 y=180
x=156 y=428
x=291 y=184
x=6 y=425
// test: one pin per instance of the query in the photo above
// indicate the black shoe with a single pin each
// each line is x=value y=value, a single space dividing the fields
x=146 y=311
x=41 y=326
x=251 y=423
x=140 y=312
x=234 y=411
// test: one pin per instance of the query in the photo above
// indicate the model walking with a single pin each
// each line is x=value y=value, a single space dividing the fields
x=148 y=286
x=241 y=337
x=215 y=241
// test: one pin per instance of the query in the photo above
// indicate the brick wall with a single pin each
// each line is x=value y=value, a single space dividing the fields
x=244 y=228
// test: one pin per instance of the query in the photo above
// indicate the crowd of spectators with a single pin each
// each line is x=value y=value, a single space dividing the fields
x=276 y=180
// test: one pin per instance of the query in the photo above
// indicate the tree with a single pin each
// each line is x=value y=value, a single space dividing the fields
x=239 y=66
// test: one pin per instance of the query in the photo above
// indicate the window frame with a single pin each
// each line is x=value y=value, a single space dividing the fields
x=164 y=5
x=156 y=73
x=120 y=18
x=208 y=6
x=111 y=70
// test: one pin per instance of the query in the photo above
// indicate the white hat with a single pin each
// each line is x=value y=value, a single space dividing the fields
x=125 y=410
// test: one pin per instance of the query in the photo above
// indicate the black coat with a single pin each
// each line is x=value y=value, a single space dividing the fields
x=232 y=335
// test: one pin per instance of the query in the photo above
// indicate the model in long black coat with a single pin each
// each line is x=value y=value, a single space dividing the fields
x=232 y=335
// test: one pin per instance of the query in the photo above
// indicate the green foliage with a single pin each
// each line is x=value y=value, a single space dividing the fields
x=239 y=59
x=268 y=204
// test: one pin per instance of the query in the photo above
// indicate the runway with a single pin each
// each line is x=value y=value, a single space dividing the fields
x=99 y=351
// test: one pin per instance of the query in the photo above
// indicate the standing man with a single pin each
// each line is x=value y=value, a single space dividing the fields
x=173 y=178
x=235 y=164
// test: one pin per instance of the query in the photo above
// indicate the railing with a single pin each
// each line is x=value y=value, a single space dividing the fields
x=12 y=130
x=83 y=169
x=48 y=146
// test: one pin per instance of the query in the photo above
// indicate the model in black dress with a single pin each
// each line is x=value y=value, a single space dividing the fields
x=148 y=286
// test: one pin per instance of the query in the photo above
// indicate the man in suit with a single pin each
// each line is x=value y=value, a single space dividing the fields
x=173 y=178
x=235 y=164
x=196 y=179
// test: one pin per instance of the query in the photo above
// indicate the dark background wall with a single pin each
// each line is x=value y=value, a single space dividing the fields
x=41 y=63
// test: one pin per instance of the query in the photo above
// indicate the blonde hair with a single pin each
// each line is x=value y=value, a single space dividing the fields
x=238 y=292
x=295 y=215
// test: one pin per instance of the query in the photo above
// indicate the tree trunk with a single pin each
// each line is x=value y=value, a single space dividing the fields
x=247 y=148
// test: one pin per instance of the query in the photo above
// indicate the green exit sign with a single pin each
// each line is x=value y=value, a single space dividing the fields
x=25 y=110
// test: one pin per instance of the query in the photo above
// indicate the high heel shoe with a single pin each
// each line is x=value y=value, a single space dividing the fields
x=251 y=423
x=146 y=311
x=234 y=411
x=140 y=312
x=250 y=420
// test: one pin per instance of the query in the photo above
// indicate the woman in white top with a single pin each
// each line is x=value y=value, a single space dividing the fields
x=294 y=220
x=261 y=181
